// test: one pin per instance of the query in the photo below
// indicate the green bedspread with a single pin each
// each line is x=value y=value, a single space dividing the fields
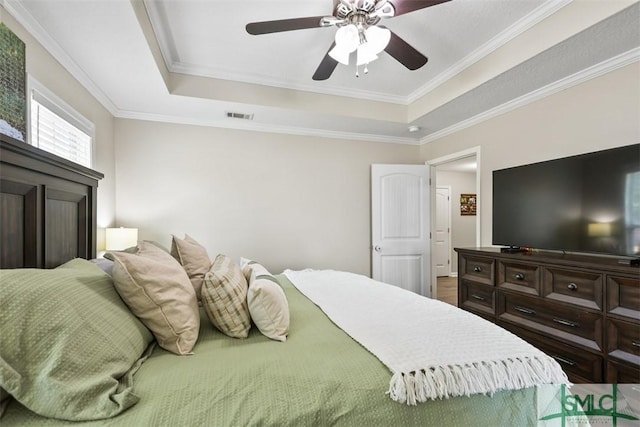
x=319 y=376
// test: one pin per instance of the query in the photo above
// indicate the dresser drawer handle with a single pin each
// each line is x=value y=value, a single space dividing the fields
x=572 y=286
x=635 y=343
x=478 y=297
x=566 y=323
x=563 y=360
x=524 y=310
x=477 y=269
x=519 y=276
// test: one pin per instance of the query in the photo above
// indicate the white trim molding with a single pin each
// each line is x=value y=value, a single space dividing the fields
x=582 y=76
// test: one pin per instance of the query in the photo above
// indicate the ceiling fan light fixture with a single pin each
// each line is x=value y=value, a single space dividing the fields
x=348 y=38
x=365 y=55
x=368 y=5
x=340 y=55
x=383 y=9
x=377 y=38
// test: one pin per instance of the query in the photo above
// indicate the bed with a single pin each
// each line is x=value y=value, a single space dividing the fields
x=319 y=376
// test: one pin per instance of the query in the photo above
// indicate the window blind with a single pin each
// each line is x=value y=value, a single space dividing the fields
x=56 y=135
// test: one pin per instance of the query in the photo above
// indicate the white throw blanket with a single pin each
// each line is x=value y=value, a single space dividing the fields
x=433 y=349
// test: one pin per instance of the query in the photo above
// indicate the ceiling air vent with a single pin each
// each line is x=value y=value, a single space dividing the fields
x=244 y=116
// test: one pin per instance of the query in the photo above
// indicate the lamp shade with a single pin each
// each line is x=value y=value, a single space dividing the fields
x=365 y=55
x=377 y=38
x=340 y=55
x=117 y=239
x=348 y=38
x=599 y=229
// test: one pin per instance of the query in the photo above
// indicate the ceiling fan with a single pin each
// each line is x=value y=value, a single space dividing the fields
x=358 y=31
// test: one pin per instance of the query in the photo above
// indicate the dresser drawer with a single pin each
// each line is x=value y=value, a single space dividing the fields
x=477 y=297
x=573 y=287
x=580 y=366
x=519 y=277
x=622 y=373
x=623 y=340
x=477 y=268
x=573 y=325
x=623 y=296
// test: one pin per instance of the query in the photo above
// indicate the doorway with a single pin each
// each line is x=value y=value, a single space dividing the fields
x=461 y=173
x=442 y=235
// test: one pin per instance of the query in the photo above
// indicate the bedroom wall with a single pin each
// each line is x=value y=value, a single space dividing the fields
x=285 y=201
x=42 y=66
x=463 y=227
x=598 y=114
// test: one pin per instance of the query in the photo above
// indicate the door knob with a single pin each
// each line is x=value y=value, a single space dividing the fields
x=377 y=248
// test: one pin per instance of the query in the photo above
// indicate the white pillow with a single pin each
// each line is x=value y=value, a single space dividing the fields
x=268 y=304
x=247 y=265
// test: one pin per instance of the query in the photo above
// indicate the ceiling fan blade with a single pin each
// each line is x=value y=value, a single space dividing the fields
x=266 y=27
x=404 y=53
x=326 y=67
x=406 y=6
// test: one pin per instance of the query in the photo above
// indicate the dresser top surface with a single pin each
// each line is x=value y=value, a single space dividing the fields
x=611 y=264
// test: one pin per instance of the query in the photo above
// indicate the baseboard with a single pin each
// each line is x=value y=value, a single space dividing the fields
x=453 y=274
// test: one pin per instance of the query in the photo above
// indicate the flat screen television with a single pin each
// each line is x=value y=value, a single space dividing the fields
x=586 y=203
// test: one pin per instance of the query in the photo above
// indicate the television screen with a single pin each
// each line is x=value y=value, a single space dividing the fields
x=586 y=203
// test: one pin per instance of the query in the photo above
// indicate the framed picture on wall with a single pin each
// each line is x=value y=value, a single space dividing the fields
x=13 y=102
x=468 y=204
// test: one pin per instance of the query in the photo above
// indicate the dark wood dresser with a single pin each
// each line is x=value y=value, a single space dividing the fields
x=583 y=311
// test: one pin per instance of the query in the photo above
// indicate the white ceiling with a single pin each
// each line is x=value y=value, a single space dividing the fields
x=191 y=61
x=466 y=164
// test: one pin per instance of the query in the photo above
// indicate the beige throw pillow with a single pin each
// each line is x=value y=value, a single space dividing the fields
x=224 y=298
x=157 y=290
x=268 y=305
x=193 y=257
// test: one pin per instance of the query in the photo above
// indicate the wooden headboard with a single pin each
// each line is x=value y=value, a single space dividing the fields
x=47 y=207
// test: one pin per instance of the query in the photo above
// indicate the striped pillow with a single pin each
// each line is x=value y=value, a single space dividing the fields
x=224 y=298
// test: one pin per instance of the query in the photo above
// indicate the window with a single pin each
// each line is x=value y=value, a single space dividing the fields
x=57 y=128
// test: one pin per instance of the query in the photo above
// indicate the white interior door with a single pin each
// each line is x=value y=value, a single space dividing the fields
x=400 y=226
x=442 y=238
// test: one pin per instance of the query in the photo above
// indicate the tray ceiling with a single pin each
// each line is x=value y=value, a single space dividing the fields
x=190 y=61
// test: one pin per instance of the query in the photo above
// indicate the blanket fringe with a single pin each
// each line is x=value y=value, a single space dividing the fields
x=485 y=377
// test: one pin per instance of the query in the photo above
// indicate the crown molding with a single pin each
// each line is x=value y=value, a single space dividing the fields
x=19 y=12
x=207 y=72
x=267 y=128
x=492 y=45
x=171 y=59
x=24 y=18
x=582 y=76
x=169 y=53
